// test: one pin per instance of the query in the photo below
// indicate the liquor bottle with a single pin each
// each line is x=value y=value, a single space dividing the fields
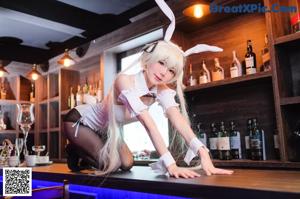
x=247 y=139
x=223 y=143
x=236 y=67
x=201 y=134
x=78 y=96
x=192 y=80
x=72 y=98
x=213 y=141
x=32 y=93
x=276 y=144
x=218 y=71
x=250 y=59
x=204 y=75
x=235 y=142
x=257 y=142
x=265 y=55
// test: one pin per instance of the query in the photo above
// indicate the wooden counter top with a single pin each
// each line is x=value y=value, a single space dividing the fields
x=243 y=183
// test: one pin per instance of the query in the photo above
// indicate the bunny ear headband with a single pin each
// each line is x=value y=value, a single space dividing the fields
x=196 y=49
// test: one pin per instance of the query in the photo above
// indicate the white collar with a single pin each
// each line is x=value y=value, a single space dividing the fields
x=141 y=85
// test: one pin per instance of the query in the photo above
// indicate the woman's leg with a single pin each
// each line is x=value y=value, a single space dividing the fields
x=88 y=143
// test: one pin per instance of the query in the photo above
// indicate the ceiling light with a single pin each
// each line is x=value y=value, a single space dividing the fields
x=196 y=10
x=3 y=71
x=34 y=74
x=66 y=60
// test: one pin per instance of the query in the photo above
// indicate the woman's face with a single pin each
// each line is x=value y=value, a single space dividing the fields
x=159 y=73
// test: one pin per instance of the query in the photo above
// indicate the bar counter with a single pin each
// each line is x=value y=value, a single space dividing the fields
x=244 y=183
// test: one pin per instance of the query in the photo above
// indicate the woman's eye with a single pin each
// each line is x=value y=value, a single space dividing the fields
x=161 y=63
x=172 y=71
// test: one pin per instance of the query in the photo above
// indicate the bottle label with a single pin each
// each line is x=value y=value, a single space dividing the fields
x=213 y=143
x=203 y=139
x=255 y=143
x=193 y=81
x=250 y=68
x=235 y=142
x=223 y=143
x=247 y=143
x=276 y=142
x=203 y=79
x=234 y=72
x=249 y=62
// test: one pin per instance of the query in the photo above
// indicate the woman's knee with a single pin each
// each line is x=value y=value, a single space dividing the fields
x=127 y=163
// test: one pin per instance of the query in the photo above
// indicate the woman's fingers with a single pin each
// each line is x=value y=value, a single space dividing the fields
x=185 y=173
x=222 y=171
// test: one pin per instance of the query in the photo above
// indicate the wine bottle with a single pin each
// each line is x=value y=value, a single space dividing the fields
x=79 y=96
x=201 y=134
x=32 y=93
x=265 y=55
x=247 y=139
x=204 y=75
x=223 y=143
x=213 y=141
x=72 y=98
x=218 y=71
x=236 y=67
x=250 y=59
x=235 y=142
x=192 y=80
x=257 y=142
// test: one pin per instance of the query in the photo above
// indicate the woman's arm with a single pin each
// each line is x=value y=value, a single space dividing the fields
x=123 y=83
x=160 y=146
x=182 y=126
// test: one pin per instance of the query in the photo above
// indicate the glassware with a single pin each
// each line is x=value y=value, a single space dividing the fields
x=25 y=119
x=38 y=149
x=18 y=148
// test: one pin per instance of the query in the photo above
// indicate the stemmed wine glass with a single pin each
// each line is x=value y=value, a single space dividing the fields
x=18 y=147
x=25 y=119
x=38 y=149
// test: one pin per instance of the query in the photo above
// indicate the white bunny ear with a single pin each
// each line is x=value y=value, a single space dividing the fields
x=202 y=48
x=169 y=13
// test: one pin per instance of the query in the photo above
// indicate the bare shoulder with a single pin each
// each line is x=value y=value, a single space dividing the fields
x=124 y=81
x=162 y=87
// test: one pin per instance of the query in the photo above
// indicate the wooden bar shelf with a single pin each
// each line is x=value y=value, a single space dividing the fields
x=54 y=129
x=12 y=102
x=64 y=112
x=54 y=99
x=229 y=81
x=290 y=100
x=43 y=102
x=295 y=37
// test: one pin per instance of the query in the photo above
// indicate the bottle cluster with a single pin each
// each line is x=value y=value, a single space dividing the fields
x=236 y=69
x=86 y=94
x=224 y=142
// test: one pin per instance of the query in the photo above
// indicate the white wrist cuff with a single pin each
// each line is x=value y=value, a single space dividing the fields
x=192 y=152
x=163 y=162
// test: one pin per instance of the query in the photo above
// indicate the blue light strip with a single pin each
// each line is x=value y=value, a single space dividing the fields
x=98 y=192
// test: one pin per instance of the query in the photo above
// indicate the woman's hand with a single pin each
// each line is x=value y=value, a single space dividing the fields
x=208 y=166
x=178 y=172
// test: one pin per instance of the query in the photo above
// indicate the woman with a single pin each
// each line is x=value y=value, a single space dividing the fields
x=93 y=130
